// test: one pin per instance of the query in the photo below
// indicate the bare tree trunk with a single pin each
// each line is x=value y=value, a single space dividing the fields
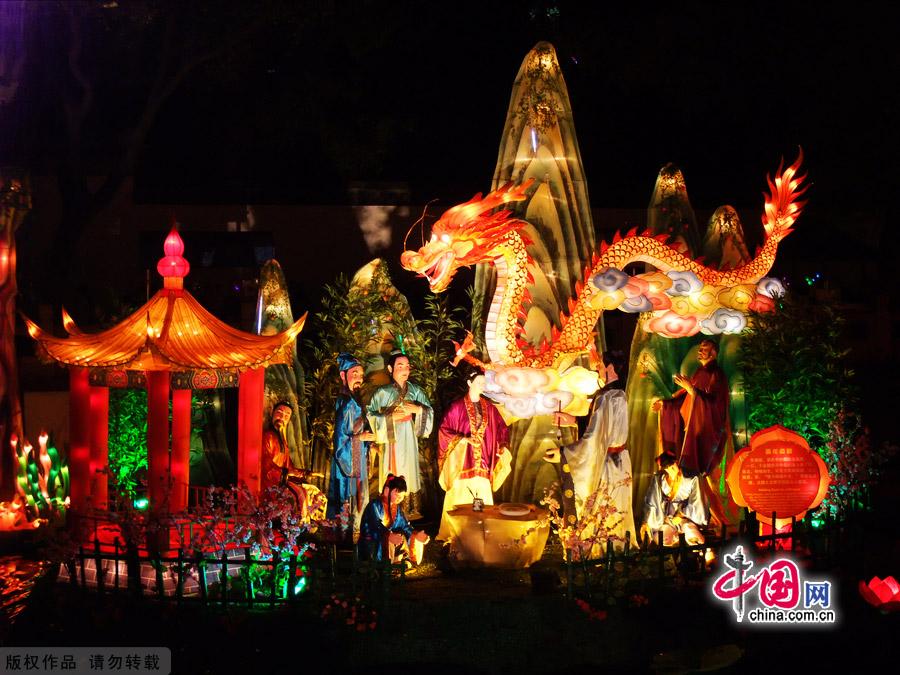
x=14 y=206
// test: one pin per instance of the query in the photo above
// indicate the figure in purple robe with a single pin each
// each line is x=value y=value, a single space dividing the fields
x=473 y=458
x=693 y=424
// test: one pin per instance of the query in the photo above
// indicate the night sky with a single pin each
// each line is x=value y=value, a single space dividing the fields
x=418 y=94
x=294 y=102
x=312 y=97
x=424 y=91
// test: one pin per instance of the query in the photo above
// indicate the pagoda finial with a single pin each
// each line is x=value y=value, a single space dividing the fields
x=173 y=267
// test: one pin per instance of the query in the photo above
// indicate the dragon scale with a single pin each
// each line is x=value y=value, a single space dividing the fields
x=501 y=327
x=578 y=327
x=481 y=231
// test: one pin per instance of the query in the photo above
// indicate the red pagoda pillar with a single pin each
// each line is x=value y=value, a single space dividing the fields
x=157 y=437
x=99 y=397
x=79 y=438
x=251 y=392
x=181 y=449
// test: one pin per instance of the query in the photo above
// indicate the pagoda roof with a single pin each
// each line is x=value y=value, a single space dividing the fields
x=172 y=332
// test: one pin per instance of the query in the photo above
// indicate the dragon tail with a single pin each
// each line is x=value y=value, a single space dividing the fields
x=782 y=206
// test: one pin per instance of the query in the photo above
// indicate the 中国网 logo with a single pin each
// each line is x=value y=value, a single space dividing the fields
x=776 y=593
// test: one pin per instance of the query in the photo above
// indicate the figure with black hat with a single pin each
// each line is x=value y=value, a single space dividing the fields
x=349 y=482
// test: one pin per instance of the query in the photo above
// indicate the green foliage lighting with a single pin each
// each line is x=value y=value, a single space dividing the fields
x=127 y=438
x=366 y=321
x=795 y=371
x=795 y=374
x=301 y=582
x=42 y=480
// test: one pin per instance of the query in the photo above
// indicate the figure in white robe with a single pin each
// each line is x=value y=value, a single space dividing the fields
x=599 y=467
x=399 y=413
x=674 y=505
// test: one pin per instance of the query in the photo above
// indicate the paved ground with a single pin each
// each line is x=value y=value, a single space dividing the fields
x=476 y=621
x=484 y=621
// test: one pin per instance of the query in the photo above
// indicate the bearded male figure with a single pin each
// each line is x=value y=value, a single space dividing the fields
x=694 y=422
x=279 y=470
x=349 y=482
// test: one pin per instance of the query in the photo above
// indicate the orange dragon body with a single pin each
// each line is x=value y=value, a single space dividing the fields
x=680 y=298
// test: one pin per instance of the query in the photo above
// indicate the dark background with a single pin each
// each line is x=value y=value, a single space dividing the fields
x=418 y=92
x=291 y=101
x=178 y=108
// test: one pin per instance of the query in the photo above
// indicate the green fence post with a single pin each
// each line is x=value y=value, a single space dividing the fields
x=223 y=578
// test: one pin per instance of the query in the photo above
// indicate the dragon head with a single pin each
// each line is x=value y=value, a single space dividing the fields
x=465 y=235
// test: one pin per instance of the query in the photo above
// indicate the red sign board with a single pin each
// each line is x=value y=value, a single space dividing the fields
x=779 y=473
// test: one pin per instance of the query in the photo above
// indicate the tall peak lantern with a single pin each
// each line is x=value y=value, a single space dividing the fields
x=173 y=267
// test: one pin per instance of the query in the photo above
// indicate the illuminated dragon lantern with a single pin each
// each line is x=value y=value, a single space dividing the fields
x=682 y=297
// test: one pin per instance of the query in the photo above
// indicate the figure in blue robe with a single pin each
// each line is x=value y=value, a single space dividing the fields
x=349 y=481
x=385 y=533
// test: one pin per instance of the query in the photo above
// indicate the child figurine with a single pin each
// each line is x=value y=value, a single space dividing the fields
x=385 y=533
x=674 y=505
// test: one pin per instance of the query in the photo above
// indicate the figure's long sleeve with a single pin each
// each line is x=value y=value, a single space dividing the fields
x=453 y=427
x=343 y=437
x=654 y=511
x=501 y=427
x=378 y=419
x=452 y=444
x=694 y=509
x=676 y=396
x=379 y=530
x=402 y=525
x=502 y=469
x=503 y=463
x=425 y=419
